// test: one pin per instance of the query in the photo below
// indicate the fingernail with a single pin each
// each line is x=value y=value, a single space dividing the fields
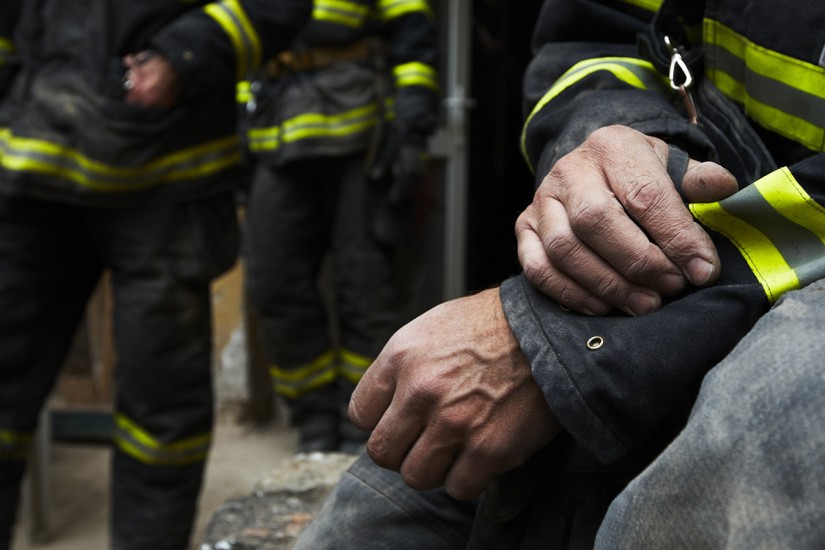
x=699 y=271
x=640 y=303
x=670 y=283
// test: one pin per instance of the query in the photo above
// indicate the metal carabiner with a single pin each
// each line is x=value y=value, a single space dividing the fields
x=676 y=61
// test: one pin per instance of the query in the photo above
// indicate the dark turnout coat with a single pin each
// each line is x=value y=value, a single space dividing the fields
x=65 y=132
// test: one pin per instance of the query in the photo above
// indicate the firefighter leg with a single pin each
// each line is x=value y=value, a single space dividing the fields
x=366 y=294
x=747 y=471
x=373 y=508
x=286 y=240
x=163 y=259
x=46 y=277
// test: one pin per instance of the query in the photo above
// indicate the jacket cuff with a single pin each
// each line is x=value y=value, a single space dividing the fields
x=540 y=342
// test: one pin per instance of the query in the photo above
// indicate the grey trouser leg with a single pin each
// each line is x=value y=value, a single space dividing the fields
x=372 y=509
x=748 y=470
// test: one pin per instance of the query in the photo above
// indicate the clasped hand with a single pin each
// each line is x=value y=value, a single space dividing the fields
x=451 y=399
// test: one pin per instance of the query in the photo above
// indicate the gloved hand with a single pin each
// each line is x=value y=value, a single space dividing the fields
x=408 y=170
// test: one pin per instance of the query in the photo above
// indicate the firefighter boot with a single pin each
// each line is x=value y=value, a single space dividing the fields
x=315 y=417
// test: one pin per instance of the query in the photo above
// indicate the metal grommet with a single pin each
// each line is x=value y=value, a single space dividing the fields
x=595 y=342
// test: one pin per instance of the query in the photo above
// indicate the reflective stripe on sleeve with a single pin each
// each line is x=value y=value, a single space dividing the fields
x=231 y=16
x=777 y=227
x=390 y=9
x=295 y=382
x=415 y=74
x=783 y=94
x=349 y=14
x=140 y=445
x=633 y=72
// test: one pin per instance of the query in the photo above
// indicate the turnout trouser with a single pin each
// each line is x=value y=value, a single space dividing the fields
x=162 y=259
x=296 y=216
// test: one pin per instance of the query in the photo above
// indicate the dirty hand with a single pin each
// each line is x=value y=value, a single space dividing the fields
x=451 y=399
x=607 y=227
x=151 y=81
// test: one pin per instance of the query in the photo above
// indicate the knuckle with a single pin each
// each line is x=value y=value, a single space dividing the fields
x=415 y=479
x=608 y=286
x=643 y=196
x=561 y=244
x=590 y=218
x=639 y=266
x=379 y=452
x=537 y=271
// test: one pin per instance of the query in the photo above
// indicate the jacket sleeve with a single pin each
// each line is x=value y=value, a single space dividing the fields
x=614 y=382
x=225 y=40
x=413 y=55
x=586 y=74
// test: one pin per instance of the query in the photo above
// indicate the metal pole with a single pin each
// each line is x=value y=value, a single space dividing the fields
x=457 y=102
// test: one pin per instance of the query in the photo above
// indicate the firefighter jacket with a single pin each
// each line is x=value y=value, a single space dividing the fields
x=758 y=85
x=66 y=133
x=358 y=64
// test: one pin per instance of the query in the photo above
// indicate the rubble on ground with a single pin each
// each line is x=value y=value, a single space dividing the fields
x=281 y=505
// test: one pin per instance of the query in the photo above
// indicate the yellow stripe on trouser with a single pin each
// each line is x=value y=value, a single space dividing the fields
x=353 y=365
x=777 y=227
x=14 y=445
x=390 y=9
x=781 y=93
x=140 y=445
x=415 y=74
x=232 y=18
x=341 y=12
x=21 y=154
x=293 y=383
x=633 y=72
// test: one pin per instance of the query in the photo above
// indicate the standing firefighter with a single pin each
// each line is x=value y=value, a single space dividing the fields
x=339 y=126
x=118 y=150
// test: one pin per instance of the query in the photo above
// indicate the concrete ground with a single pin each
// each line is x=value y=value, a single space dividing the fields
x=78 y=510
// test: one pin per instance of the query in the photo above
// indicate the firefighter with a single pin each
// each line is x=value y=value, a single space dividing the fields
x=119 y=151
x=338 y=125
x=549 y=394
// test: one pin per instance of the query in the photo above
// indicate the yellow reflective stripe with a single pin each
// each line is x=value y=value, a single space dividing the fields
x=781 y=93
x=634 y=72
x=415 y=74
x=390 y=9
x=349 y=14
x=243 y=91
x=295 y=382
x=777 y=227
x=44 y=157
x=138 y=443
x=650 y=5
x=353 y=365
x=314 y=125
x=14 y=445
x=231 y=16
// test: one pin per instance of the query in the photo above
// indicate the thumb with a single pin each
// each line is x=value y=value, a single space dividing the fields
x=707 y=182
